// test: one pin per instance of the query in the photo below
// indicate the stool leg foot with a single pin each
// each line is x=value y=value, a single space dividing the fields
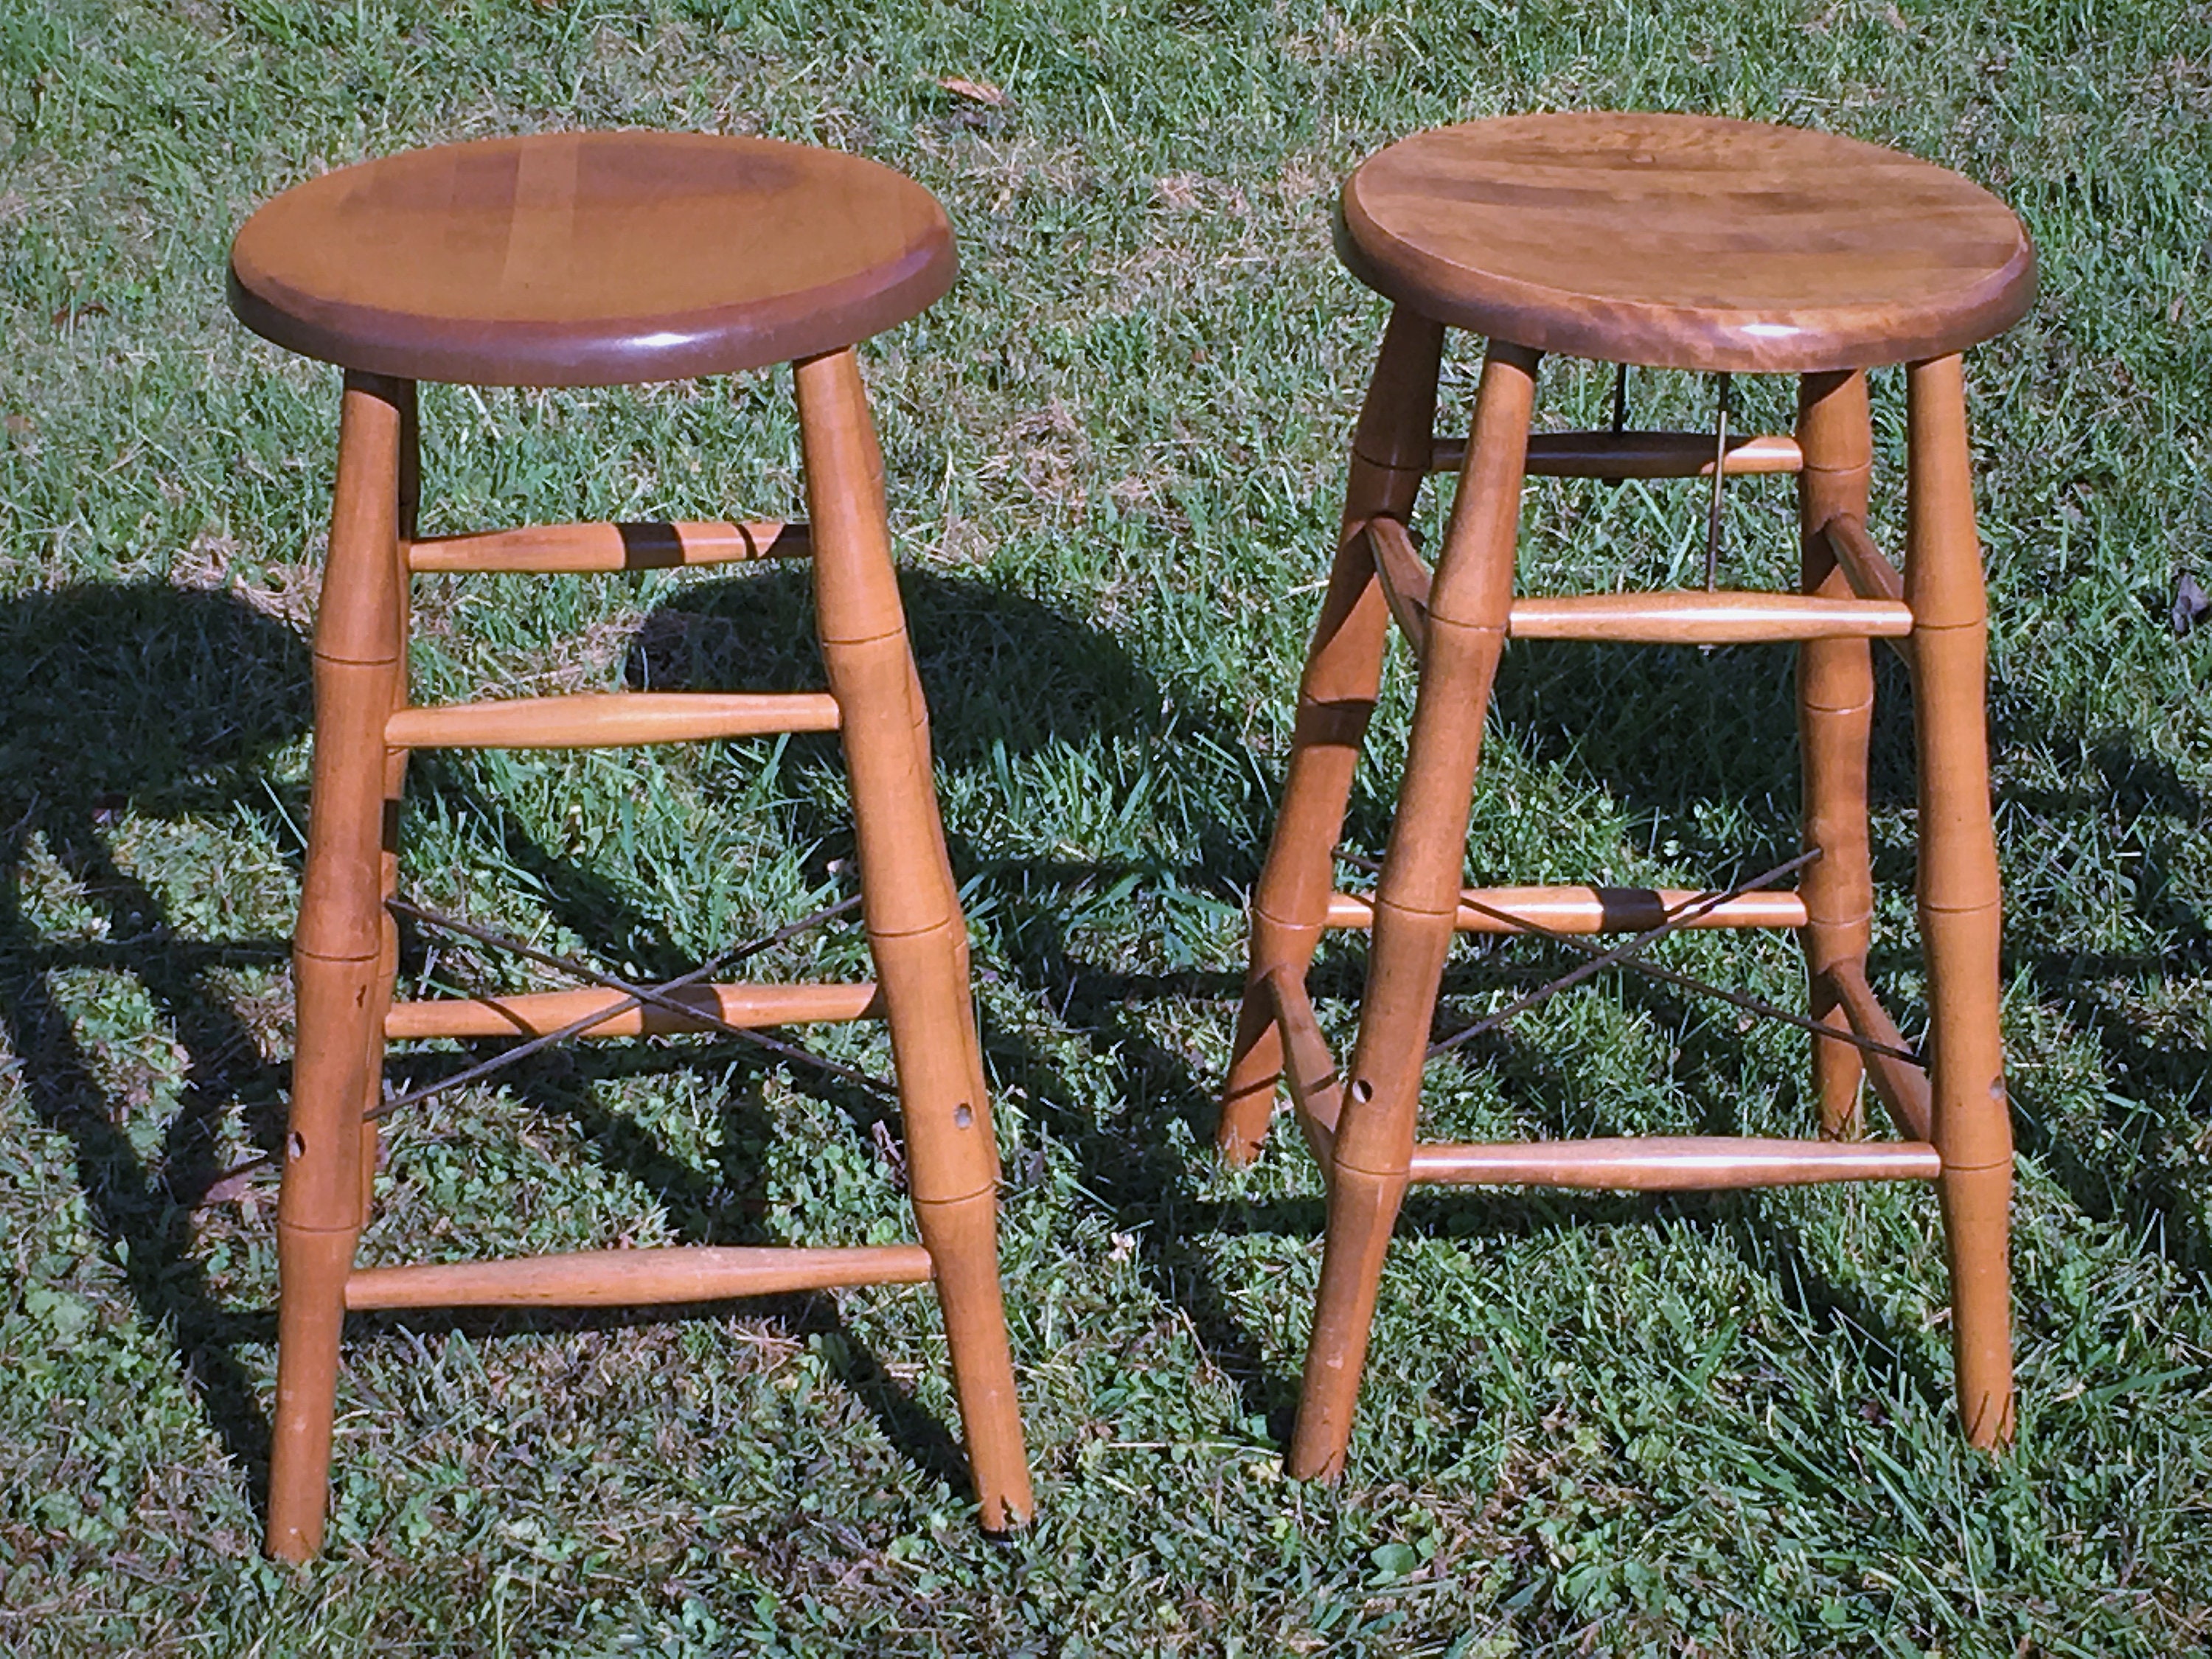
x=1416 y=901
x=1835 y=717
x=311 y=1269
x=1363 y=1208
x=1336 y=696
x=962 y=1237
x=1977 y=1225
x=912 y=908
x=1958 y=898
x=339 y=951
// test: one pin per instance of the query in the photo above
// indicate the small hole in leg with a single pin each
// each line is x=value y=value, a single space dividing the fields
x=1363 y=1090
x=962 y=1117
x=295 y=1145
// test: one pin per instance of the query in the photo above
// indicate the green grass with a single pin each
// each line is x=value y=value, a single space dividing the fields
x=1595 y=1426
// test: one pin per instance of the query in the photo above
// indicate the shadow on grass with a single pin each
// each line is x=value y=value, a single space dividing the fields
x=166 y=702
x=2151 y=1107
x=1074 y=683
x=1669 y=729
x=169 y=701
x=1007 y=676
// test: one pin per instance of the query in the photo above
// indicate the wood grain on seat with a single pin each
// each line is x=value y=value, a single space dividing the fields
x=1686 y=241
x=589 y=258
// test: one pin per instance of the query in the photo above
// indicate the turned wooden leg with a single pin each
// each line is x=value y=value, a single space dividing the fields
x=1958 y=898
x=1415 y=903
x=915 y=929
x=338 y=953
x=395 y=787
x=1336 y=696
x=1835 y=717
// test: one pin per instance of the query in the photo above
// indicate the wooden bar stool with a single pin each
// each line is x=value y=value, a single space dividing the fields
x=600 y=260
x=1678 y=242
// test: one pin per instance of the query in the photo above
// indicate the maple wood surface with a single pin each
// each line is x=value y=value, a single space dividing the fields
x=1686 y=241
x=589 y=258
x=636 y=1278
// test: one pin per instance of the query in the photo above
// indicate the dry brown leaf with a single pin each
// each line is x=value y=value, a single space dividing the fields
x=981 y=92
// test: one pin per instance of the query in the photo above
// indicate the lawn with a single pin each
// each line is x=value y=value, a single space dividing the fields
x=1609 y=1425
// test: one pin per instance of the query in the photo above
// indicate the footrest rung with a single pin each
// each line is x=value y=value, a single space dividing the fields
x=1636 y=455
x=1589 y=910
x=1706 y=618
x=535 y=1014
x=635 y=1279
x=1669 y=1164
x=611 y=720
x=583 y=547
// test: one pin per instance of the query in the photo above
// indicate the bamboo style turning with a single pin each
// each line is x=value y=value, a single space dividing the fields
x=1683 y=243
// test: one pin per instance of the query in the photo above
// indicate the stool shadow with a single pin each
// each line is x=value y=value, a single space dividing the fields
x=1630 y=716
x=1007 y=676
x=167 y=701
x=170 y=702
x=1669 y=730
x=2154 y=1115
x=702 y=1206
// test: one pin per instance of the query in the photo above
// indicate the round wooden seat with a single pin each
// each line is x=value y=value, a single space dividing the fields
x=589 y=258
x=1683 y=241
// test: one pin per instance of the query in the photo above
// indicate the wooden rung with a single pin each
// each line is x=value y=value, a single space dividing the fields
x=634 y=1279
x=590 y=547
x=1872 y=576
x=1902 y=1088
x=1591 y=909
x=1637 y=455
x=536 y=1012
x=1308 y=1068
x=610 y=719
x=1405 y=577
x=1701 y=618
x=1669 y=1163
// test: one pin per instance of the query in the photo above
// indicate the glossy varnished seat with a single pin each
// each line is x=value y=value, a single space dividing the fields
x=1686 y=241
x=592 y=259
x=589 y=258
x=1681 y=242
